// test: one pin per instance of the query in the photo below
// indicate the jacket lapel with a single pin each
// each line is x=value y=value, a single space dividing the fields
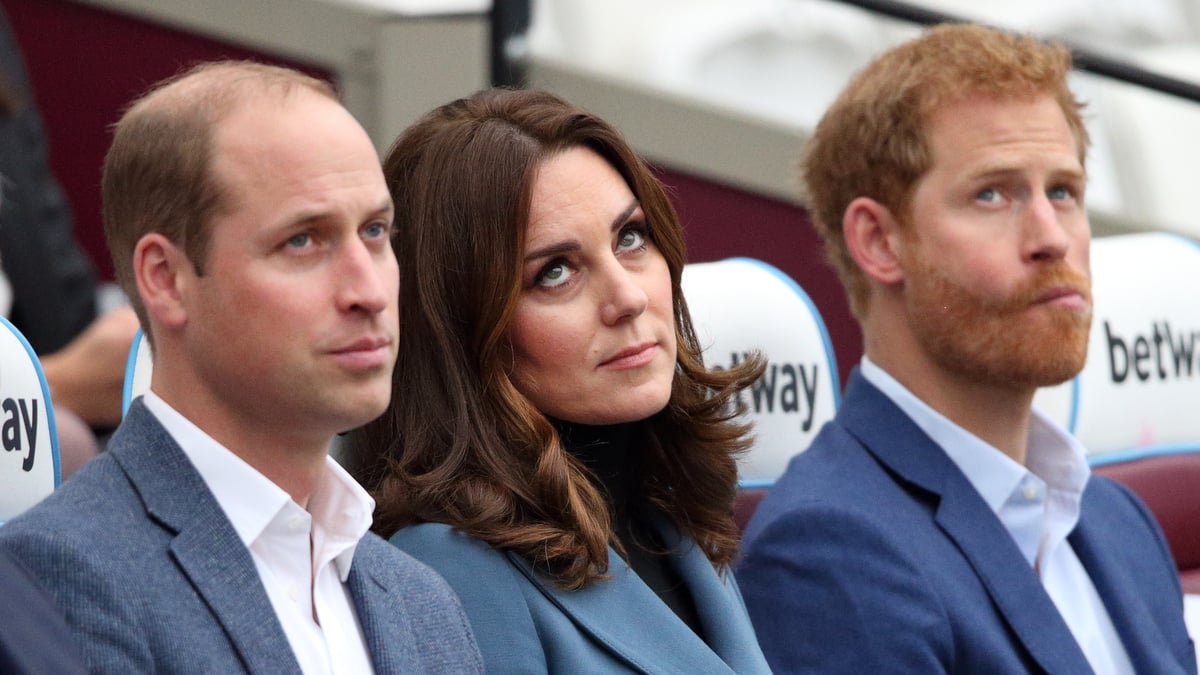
x=1149 y=650
x=390 y=643
x=889 y=435
x=206 y=547
x=616 y=614
x=1012 y=585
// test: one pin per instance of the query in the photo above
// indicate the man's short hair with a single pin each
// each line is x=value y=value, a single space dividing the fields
x=157 y=173
x=873 y=141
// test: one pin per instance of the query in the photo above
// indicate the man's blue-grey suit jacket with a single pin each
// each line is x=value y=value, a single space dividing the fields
x=874 y=554
x=153 y=578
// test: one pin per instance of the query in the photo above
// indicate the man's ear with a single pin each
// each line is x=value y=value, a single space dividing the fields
x=163 y=273
x=873 y=239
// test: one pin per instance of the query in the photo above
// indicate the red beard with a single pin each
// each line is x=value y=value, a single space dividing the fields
x=1009 y=343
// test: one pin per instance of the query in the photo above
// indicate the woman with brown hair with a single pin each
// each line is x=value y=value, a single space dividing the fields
x=555 y=447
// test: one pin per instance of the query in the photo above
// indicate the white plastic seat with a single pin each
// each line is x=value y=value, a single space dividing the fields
x=740 y=305
x=137 y=371
x=29 y=459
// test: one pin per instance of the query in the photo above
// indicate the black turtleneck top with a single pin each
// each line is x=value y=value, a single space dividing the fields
x=609 y=453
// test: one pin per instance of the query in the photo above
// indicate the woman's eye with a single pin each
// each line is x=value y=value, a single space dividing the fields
x=631 y=238
x=554 y=275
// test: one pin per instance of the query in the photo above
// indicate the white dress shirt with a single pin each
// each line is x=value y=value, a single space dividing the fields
x=1039 y=506
x=303 y=557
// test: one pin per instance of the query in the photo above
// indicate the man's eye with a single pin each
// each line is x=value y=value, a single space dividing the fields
x=989 y=195
x=375 y=230
x=299 y=240
x=1059 y=193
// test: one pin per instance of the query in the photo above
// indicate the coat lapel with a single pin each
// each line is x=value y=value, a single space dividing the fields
x=961 y=513
x=723 y=616
x=206 y=547
x=616 y=614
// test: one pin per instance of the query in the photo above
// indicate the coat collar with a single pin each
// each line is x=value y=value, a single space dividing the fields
x=898 y=444
x=617 y=612
x=206 y=547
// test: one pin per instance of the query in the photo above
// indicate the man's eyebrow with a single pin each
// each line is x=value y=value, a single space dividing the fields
x=993 y=171
x=311 y=216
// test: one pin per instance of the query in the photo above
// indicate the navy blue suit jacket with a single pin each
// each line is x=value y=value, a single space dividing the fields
x=153 y=577
x=874 y=554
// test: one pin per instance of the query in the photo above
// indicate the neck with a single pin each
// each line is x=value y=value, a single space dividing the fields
x=996 y=414
x=293 y=459
x=296 y=473
x=606 y=450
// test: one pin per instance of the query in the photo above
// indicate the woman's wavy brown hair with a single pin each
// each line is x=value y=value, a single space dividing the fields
x=459 y=444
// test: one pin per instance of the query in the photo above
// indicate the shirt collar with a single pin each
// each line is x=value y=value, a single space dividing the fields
x=339 y=506
x=341 y=511
x=1053 y=454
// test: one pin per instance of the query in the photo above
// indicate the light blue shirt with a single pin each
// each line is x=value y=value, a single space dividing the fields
x=1037 y=503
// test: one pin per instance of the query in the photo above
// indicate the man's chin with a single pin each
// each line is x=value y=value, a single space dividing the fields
x=1048 y=369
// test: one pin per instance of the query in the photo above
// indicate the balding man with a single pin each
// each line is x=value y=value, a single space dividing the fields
x=249 y=223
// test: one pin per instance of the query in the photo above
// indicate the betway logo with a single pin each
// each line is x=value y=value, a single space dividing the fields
x=781 y=387
x=1162 y=353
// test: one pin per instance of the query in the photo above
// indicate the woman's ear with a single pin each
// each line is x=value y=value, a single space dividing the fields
x=163 y=273
x=873 y=239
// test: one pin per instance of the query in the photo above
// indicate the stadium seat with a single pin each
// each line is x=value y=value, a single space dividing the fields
x=741 y=305
x=29 y=461
x=1134 y=404
x=137 y=371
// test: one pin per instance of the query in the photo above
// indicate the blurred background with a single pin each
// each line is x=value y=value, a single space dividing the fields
x=718 y=95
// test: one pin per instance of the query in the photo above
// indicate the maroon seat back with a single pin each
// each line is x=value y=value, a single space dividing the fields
x=743 y=506
x=1169 y=484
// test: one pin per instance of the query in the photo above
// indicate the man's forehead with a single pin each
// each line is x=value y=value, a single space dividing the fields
x=990 y=125
x=257 y=131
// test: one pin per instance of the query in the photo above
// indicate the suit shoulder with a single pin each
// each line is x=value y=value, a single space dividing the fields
x=837 y=476
x=834 y=458
x=827 y=582
x=83 y=512
x=1113 y=502
x=1123 y=516
x=1108 y=493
